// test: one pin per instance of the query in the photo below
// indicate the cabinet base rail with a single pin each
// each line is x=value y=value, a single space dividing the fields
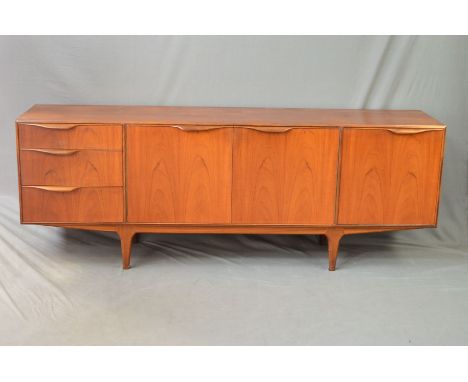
x=127 y=233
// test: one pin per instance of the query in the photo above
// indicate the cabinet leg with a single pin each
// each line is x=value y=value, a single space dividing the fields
x=126 y=241
x=333 y=236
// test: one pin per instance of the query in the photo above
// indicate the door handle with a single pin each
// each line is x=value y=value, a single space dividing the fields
x=198 y=127
x=410 y=131
x=269 y=129
x=265 y=129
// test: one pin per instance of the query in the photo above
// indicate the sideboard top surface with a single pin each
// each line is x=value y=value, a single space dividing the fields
x=228 y=116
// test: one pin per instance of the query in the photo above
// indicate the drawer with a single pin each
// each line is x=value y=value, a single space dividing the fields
x=49 y=204
x=66 y=167
x=70 y=136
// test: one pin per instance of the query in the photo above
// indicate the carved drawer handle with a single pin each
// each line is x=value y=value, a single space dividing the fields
x=265 y=129
x=54 y=188
x=408 y=131
x=55 y=127
x=54 y=151
x=269 y=129
x=197 y=127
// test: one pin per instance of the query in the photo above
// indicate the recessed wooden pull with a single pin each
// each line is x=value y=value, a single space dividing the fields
x=197 y=127
x=55 y=126
x=54 y=188
x=408 y=131
x=54 y=151
x=269 y=129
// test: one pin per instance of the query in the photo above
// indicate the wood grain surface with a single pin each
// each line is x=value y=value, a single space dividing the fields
x=235 y=116
x=285 y=177
x=71 y=168
x=176 y=176
x=74 y=136
x=81 y=205
x=389 y=178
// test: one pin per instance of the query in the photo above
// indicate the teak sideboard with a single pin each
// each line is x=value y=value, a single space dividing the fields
x=137 y=169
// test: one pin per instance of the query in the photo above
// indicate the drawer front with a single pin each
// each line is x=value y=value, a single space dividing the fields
x=72 y=205
x=65 y=167
x=390 y=177
x=70 y=136
x=285 y=176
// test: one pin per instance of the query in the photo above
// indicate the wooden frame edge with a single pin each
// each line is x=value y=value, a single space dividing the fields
x=18 y=162
x=442 y=153
x=338 y=175
x=229 y=229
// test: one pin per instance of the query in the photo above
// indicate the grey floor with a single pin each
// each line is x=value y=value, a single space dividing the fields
x=66 y=287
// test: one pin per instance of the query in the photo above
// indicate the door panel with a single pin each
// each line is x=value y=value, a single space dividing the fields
x=390 y=177
x=179 y=176
x=285 y=176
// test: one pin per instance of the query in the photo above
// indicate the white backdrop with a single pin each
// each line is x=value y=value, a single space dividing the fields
x=57 y=288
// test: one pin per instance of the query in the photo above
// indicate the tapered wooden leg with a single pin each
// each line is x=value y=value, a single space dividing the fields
x=333 y=236
x=126 y=241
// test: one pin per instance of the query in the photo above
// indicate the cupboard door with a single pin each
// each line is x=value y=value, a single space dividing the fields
x=285 y=176
x=179 y=176
x=390 y=177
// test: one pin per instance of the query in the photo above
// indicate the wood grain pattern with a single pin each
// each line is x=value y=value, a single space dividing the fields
x=178 y=176
x=390 y=178
x=77 y=168
x=81 y=205
x=286 y=177
x=233 y=116
x=107 y=137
